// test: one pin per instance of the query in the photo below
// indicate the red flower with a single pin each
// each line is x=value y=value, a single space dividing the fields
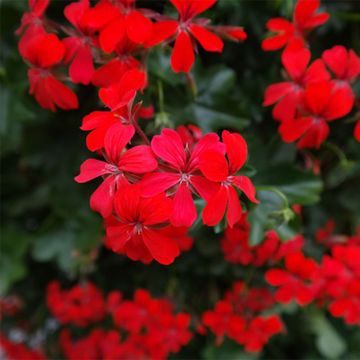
x=235 y=243
x=44 y=51
x=305 y=19
x=119 y=19
x=293 y=280
x=34 y=18
x=118 y=98
x=345 y=64
x=179 y=173
x=81 y=305
x=288 y=95
x=137 y=232
x=323 y=101
x=217 y=168
x=259 y=331
x=79 y=46
x=113 y=70
x=218 y=320
x=120 y=167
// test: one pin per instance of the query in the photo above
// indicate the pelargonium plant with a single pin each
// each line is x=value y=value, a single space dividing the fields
x=207 y=207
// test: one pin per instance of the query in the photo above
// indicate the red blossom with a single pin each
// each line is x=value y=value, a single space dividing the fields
x=306 y=17
x=324 y=101
x=81 y=305
x=294 y=282
x=44 y=51
x=289 y=94
x=137 y=233
x=179 y=173
x=217 y=168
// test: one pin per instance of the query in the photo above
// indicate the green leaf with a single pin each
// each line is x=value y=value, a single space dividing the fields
x=300 y=187
x=329 y=343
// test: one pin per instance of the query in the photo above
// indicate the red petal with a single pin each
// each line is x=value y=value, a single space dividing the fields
x=102 y=198
x=161 y=31
x=138 y=27
x=44 y=50
x=340 y=104
x=314 y=136
x=336 y=59
x=277 y=277
x=235 y=33
x=353 y=69
x=127 y=202
x=236 y=149
x=156 y=183
x=184 y=212
x=156 y=210
x=74 y=12
x=234 y=210
x=204 y=187
x=208 y=40
x=163 y=249
x=196 y=7
x=121 y=93
x=316 y=72
x=292 y=129
x=111 y=72
x=62 y=96
x=275 y=92
x=169 y=147
x=295 y=61
x=96 y=119
x=182 y=57
x=112 y=34
x=82 y=68
x=246 y=186
x=139 y=160
x=317 y=96
x=214 y=165
x=116 y=138
x=215 y=208
x=91 y=169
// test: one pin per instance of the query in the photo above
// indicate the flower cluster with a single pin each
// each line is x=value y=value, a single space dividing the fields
x=239 y=316
x=147 y=194
x=316 y=92
x=334 y=282
x=81 y=305
x=236 y=247
x=144 y=327
x=102 y=42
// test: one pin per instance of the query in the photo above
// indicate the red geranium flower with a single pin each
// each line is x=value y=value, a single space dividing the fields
x=323 y=101
x=120 y=167
x=117 y=19
x=44 y=51
x=217 y=168
x=293 y=280
x=288 y=95
x=119 y=98
x=259 y=331
x=138 y=233
x=179 y=173
x=79 y=46
x=305 y=19
x=189 y=30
